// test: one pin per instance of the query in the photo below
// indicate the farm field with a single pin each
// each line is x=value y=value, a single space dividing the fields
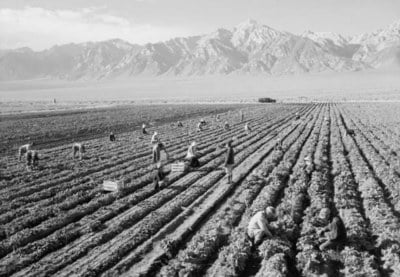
x=56 y=221
x=58 y=127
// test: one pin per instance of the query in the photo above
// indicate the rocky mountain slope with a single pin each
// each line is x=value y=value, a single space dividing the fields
x=249 y=48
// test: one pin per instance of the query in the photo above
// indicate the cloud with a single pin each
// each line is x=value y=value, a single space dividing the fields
x=40 y=28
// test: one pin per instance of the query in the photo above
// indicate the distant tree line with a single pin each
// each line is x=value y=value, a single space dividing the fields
x=266 y=100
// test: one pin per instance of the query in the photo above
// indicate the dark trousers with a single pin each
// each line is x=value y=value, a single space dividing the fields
x=194 y=162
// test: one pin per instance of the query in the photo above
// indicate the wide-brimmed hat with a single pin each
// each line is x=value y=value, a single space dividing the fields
x=270 y=212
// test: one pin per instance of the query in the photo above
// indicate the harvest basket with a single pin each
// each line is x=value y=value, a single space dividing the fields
x=179 y=167
x=113 y=186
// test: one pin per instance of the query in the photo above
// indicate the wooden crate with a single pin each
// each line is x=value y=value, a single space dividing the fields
x=178 y=167
x=113 y=186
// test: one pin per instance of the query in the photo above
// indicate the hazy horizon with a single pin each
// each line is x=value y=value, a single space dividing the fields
x=370 y=85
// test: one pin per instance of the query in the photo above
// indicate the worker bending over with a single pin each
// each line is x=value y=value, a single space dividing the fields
x=258 y=227
x=78 y=148
x=226 y=126
x=157 y=148
x=112 y=136
x=199 y=127
x=334 y=234
x=144 y=131
x=32 y=159
x=192 y=155
x=23 y=149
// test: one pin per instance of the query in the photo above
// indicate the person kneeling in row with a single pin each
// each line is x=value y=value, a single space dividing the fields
x=258 y=227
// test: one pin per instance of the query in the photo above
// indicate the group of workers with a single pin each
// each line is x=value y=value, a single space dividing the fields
x=259 y=226
x=191 y=158
x=331 y=232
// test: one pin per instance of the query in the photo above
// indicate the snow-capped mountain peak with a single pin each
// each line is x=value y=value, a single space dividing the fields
x=250 y=47
x=324 y=37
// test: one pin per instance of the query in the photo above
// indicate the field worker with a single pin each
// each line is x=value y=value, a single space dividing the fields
x=78 y=148
x=322 y=219
x=229 y=160
x=350 y=132
x=334 y=234
x=32 y=159
x=297 y=116
x=160 y=177
x=112 y=136
x=180 y=124
x=247 y=128
x=226 y=126
x=144 y=132
x=203 y=122
x=217 y=117
x=199 y=127
x=241 y=116
x=278 y=144
x=258 y=227
x=23 y=149
x=154 y=139
x=192 y=155
x=157 y=148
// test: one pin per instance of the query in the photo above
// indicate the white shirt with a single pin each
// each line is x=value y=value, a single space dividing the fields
x=258 y=222
x=26 y=147
x=191 y=152
x=154 y=138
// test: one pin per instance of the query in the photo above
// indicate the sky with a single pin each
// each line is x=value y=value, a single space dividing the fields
x=40 y=24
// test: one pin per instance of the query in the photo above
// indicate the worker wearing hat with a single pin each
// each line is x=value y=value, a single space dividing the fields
x=259 y=225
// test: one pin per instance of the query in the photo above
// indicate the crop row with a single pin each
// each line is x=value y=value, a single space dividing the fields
x=139 y=173
x=215 y=233
x=133 y=234
x=71 y=216
x=233 y=258
x=384 y=223
x=277 y=254
x=356 y=257
x=119 y=209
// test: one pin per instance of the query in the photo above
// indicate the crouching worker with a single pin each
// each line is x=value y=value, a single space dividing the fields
x=78 y=148
x=32 y=159
x=24 y=149
x=160 y=177
x=334 y=235
x=112 y=136
x=278 y=145
x=144 y=131
x=226 y=126
x=192 y=155
x=258 y=227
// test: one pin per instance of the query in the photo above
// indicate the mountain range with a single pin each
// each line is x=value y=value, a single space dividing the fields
x=248 y=48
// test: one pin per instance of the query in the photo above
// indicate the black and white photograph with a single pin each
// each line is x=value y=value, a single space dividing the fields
x=210 y=138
